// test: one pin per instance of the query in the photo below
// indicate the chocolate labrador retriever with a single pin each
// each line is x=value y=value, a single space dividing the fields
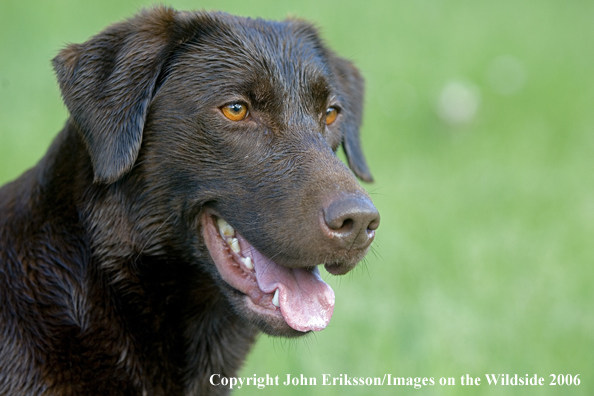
x=184 y=207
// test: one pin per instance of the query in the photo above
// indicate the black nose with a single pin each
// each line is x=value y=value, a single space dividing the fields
x=351 y=221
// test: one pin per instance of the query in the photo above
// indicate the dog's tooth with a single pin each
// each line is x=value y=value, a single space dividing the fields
x=247 y=262
x=234 y=244
x=275 y=299
x=225 y=228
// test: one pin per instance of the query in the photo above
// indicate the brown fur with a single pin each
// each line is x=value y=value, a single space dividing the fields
x=106 y=285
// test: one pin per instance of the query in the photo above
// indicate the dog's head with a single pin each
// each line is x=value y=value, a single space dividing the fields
x=231 y=125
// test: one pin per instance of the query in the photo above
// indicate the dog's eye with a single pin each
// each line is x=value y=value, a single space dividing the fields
x=331 y=114
x=235 y=111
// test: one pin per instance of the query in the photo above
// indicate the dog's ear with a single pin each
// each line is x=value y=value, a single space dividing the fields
x=352 y=85
x=108 y=83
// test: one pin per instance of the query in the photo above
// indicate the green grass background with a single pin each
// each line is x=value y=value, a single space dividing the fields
x=484 y=259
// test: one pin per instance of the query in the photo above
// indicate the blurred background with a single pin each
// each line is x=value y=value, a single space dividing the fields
x=479 y=129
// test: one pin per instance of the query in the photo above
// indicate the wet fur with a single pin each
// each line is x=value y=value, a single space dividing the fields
x=106 y=287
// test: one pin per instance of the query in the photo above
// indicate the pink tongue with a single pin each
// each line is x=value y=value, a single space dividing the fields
x=306 y=301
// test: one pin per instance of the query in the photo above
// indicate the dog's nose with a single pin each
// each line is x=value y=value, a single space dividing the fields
x=350 y=221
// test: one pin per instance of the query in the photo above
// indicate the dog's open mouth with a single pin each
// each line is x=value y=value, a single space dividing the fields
x=297 y=295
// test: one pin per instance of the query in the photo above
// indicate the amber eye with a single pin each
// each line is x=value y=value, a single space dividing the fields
x=235 y=111
x=331 y=114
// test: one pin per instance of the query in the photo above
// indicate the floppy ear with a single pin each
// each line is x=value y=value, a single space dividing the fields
x=353 y=87
x=108 y=83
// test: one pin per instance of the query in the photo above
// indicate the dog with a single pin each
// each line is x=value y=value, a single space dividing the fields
x=183 y=209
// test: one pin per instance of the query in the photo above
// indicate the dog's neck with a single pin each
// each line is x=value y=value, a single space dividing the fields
x=167 y=304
